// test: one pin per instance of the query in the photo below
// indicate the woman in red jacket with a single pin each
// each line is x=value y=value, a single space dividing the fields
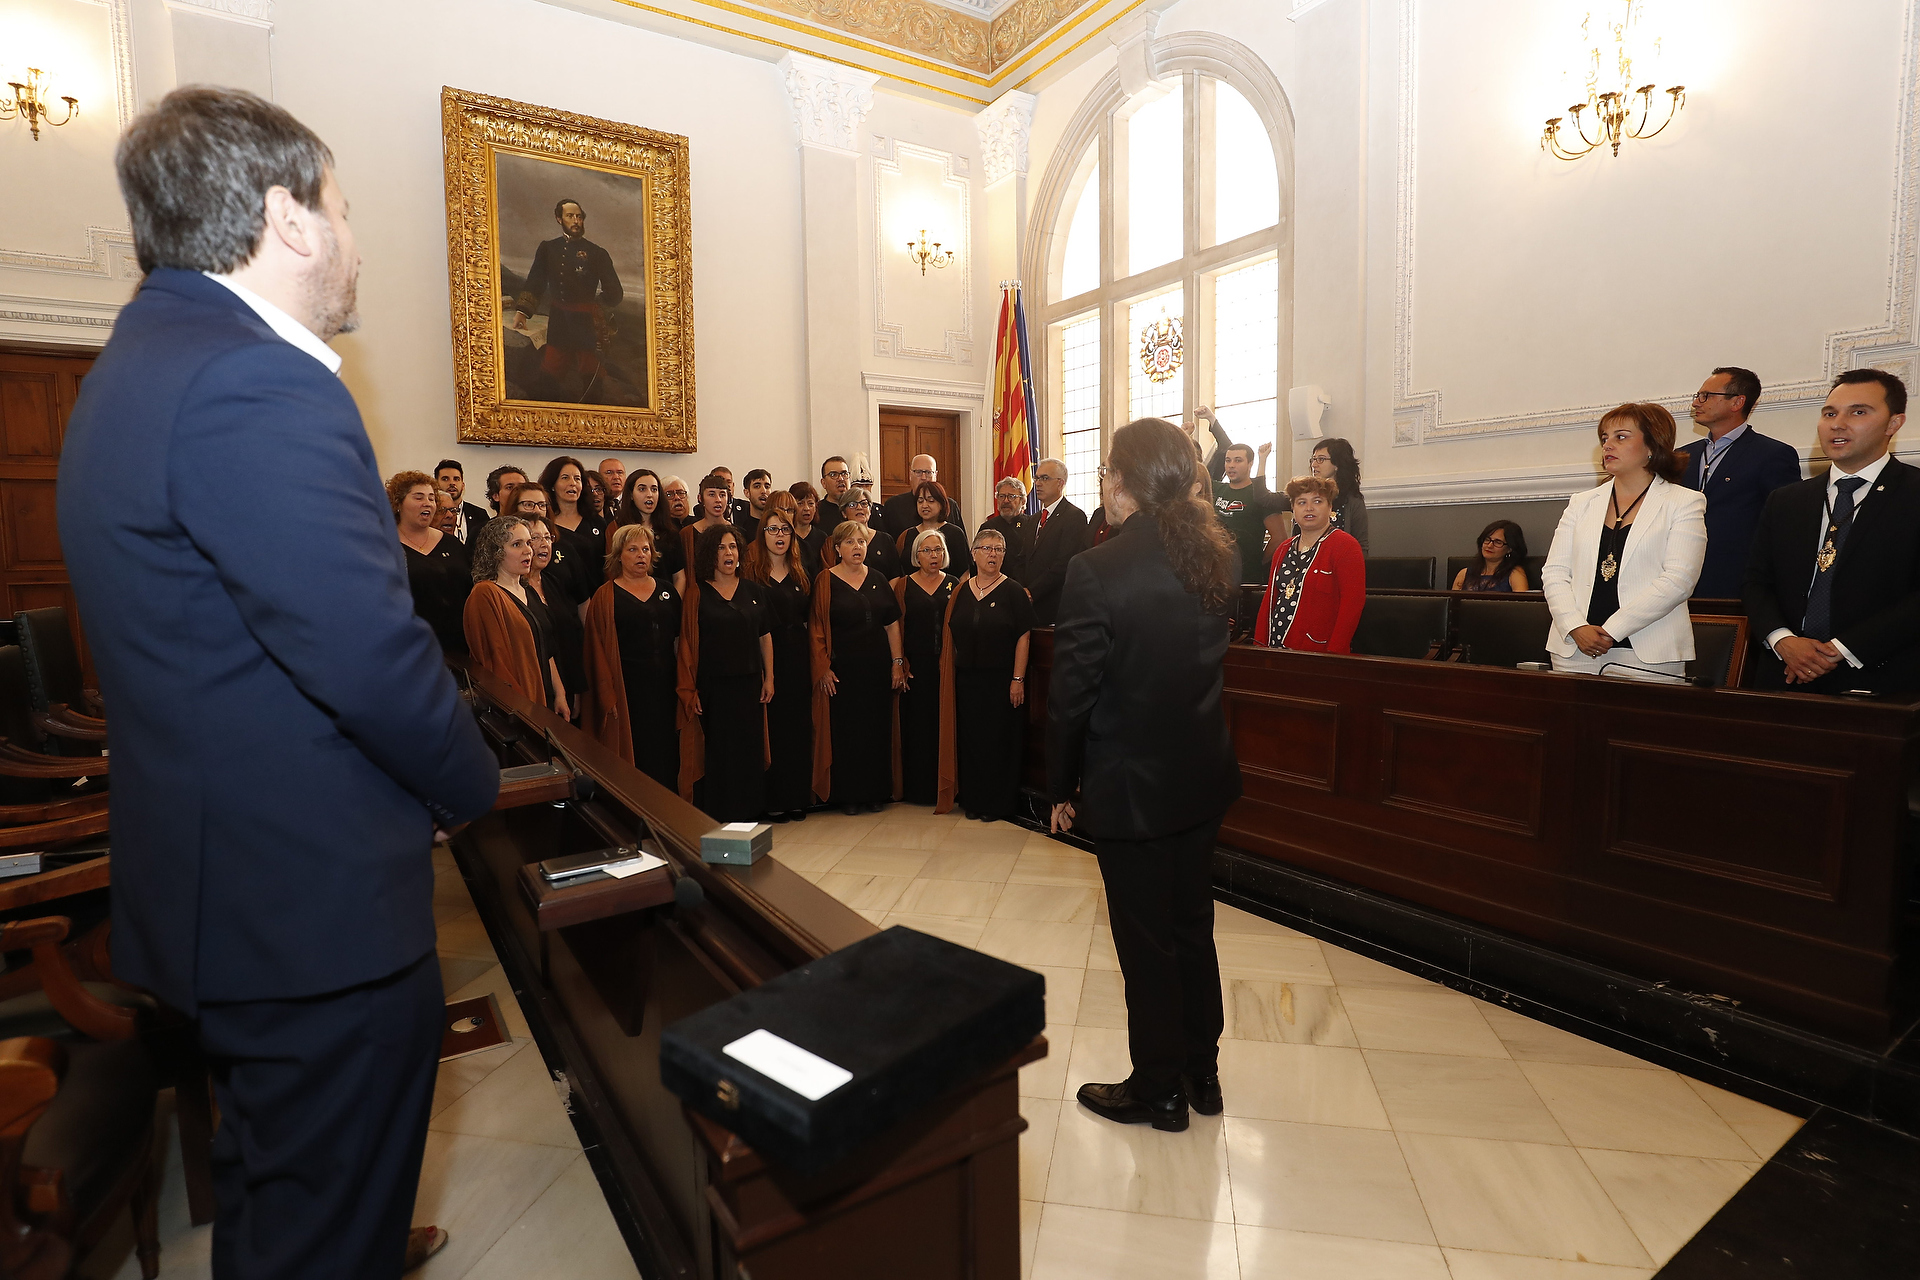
x=1319 y=581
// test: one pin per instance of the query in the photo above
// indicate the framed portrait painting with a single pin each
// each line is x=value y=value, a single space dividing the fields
x=570 y=265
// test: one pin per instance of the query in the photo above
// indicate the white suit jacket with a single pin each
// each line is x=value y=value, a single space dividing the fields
x=1662 y=562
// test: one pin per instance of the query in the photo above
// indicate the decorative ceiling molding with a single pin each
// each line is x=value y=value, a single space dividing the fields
x=830 y=101
x=1894 y=345
x=1005 y=127
x=258 y=12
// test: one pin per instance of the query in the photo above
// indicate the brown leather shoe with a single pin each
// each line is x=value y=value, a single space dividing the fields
x=423 y=1243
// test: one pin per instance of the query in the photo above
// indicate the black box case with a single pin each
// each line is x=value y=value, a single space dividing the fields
x=910 y=1015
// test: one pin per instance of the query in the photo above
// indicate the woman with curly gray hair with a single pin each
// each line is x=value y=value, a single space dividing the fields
x=504 y=636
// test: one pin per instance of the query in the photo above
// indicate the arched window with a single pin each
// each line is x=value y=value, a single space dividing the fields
x=1164 y=231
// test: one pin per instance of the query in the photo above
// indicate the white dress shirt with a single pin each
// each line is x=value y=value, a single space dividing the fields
x=1047 y=511
x=282 y=323
x=1869 y=473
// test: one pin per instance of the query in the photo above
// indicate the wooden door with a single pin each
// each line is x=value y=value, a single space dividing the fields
x=906 y=433
x=37 y=391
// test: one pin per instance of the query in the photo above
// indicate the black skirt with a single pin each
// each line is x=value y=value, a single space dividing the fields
x=734 y=788
x=862 y=716
x=790 y=714
x=990 y=737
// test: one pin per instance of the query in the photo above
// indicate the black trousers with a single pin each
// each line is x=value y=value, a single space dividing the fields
x=1160 y=900
x=324 y=1105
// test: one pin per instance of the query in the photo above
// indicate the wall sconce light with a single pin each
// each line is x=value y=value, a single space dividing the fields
x=928 y=257
x=1612 y=93
x=30 y=102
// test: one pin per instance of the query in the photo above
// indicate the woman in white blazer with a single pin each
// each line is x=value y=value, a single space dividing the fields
x=1626 y=556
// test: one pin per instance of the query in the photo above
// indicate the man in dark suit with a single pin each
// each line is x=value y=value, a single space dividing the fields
x=1736 y=467
x=1833 y=588
x=1055 y=534
x=1009 y=517
x=901 y=512
x=467 y=518
x=1136 y=728
x=286 y=739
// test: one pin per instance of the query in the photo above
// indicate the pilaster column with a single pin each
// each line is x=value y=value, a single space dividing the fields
x=830 y=105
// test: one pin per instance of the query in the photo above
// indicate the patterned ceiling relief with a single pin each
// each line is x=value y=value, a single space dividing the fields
x=932 y=29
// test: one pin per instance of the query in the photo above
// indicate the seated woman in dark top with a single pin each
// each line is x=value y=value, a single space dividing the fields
x=983 y=676
x=858 y=663
x=553 y=596
x=924 y=596
x=726 y=675
x=437 y=565
x=632 y=660
x=504 y=635
x=930 y=501
x=775 y=563
x=1502 y=564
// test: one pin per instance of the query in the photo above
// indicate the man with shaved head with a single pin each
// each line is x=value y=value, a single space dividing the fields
x=900 y=512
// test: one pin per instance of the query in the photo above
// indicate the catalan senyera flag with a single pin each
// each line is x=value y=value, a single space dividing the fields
x=1015 y=422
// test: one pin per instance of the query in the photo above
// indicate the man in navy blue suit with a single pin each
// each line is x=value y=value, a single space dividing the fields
x=1736 y=467
x=286 y=741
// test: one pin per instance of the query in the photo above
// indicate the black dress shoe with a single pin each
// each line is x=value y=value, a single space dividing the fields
x=776 y=817
x=798 y=815
x=853 y=811
x=1203 y=1094
x=1119 y=1103
x=875 y=807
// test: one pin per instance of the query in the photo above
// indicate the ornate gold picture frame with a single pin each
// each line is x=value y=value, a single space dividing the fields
x=570 y=270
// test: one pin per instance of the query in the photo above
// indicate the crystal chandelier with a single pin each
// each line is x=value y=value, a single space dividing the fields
x=1612 y=36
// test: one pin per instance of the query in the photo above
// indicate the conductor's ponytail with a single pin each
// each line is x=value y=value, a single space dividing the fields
x=1158 y=467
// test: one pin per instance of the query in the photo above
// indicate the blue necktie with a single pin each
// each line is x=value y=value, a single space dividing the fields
x=1819 y=620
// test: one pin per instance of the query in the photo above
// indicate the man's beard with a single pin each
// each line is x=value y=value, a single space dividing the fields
x=332 y=292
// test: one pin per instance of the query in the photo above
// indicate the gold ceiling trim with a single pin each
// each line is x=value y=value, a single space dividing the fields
x=1030 y=28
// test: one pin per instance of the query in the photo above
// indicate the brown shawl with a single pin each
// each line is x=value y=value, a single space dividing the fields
x=949 y=724
x=500 y=640
x=821 y=635
x=603 y=705
x=693 y=740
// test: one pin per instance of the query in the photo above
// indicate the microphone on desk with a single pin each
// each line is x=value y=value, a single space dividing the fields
x=1700 y=682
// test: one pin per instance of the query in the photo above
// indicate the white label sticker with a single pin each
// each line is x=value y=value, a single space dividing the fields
x=633 y=866
x=742 y=827
x=807 y=1074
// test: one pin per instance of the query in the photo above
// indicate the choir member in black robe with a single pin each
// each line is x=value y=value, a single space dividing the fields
x=774 y=564
x=633 y=623
x=924 y=596
x=438 y=568
x=554 y=600
x=858 y=663
x=984 y=680
x=726 y=680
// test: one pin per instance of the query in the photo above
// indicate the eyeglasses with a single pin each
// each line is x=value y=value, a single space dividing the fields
x=1103 y=471
x=1702 y=395
x=836 y=475
x=776 y=528
x=982 y=549
x=1493 y=542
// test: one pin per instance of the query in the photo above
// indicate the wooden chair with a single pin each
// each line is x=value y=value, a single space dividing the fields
x=1415 y=572
x=66 y=710
x=1720 y=649
x=90 y=1154
x=1402 y=627
x=30 y=1071
x=1494 y=630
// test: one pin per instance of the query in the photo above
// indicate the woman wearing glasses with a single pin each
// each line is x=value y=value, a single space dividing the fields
x=774 y=561
x=858 y=663
x=983 y=686
x=924 y=596
x=1502 y=561
x=633 y=624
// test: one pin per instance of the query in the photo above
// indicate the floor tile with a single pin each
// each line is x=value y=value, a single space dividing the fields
x=459 y=972
x=1047 y=1078
x=463 y=936
x=1100 y=955
x=1621 y=1109
x=995 y=837
x=568 y=1231
x=493 y=980
x=922 y=836
x=1059 y=903
x=828 y=827
x=1030 y=1212
x=810 y=860
x=453 y=1080
x=1518 y=1197
x=1461 y=1096
x=1351 y=969
x=1064 y=990
x=1038 y=942
x=1469 y=1265
x=1763 y=1128
x=1286 y=1013
x=475 y=1188
x=1135 y=1168
x=1103 y=1000
x=450 y=909
x=1036 y=1145
x=1228 y=919
x=1058 y=865
x=1271 y=959
x=869 y=893
x=1096 y=1244
x=1531 y=1041
x=517 y=1101
x=969 y=864
x=963 y=930
x=949 y=897
x=1302 y=1255
x=1100 y=1056
x=1436 y=1021
x=1666 y=1199
x=874 y=860
x=1300 y=1082
x=449 y=886
x=1322 y=1178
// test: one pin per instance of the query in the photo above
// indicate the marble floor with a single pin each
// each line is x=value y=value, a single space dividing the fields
x=504 y=1173
x=1378 y=1126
